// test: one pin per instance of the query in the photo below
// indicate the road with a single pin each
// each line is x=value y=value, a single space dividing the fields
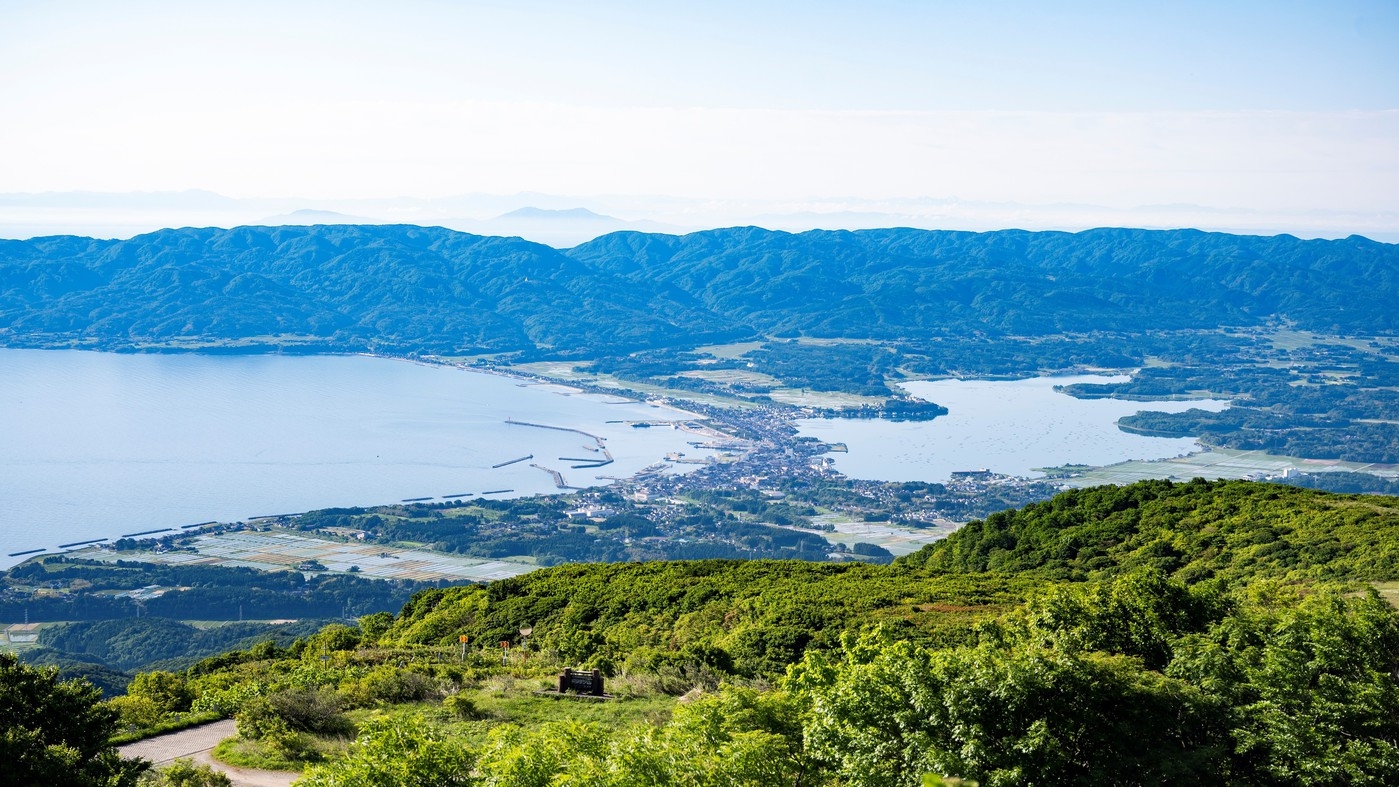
x=196 y=743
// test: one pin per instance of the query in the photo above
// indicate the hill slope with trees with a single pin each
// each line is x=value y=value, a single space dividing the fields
x=1060 y=644
x=430 y=290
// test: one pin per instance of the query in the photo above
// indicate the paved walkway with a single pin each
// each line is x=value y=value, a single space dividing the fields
x=196 y=743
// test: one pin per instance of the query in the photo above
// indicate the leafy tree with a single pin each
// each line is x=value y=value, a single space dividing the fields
x=136 y=711
x=885 y=714
x=1312 y=683
x=1139 y=614
x=56 y=733
x=374 y=626
x=167 y=691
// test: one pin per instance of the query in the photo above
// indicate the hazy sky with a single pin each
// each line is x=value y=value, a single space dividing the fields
x=1282 y=106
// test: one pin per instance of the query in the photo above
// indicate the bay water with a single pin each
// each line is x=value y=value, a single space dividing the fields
x=99 y=445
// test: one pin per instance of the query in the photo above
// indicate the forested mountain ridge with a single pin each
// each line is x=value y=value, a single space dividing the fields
x=432 y=290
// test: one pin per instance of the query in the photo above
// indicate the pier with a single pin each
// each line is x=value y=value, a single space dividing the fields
x=512 y=461
x=558 y=477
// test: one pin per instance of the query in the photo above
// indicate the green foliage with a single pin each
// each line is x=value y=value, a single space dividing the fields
x=136 y=712
x=390 y=685
x=278 y=719
x=198 y=592
x=886 y=714
x=168 y=692
x=1140 y=614
x=856 y=368
x=1346 y=482
x=1252 y=429
x=734 y=737
x=1312 y=684
x=186 y=773
x=374 y=626
x=56 y=733
x=735 y=617
x=1154 y=634
x=334 y=637
x=1228 y=529
x=462 y=706
x=393 y=751
x=175 y=723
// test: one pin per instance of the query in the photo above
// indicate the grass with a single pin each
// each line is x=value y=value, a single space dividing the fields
x=730 y=351
x=1389 y=591
x=503 y=699
x=243 y=753
x=496 y=700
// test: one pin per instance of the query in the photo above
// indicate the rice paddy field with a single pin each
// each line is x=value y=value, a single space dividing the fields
x=280 y=549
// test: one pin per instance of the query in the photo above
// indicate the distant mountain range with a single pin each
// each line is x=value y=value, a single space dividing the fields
x=563 y=221
x=398 y=288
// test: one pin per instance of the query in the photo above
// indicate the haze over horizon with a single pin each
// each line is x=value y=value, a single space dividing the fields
x=1252 y=118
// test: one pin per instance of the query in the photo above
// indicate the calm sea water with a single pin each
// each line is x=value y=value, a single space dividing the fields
x=1008 y=427
x=98 y=445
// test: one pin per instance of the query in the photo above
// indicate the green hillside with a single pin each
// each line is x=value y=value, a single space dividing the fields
x=1200 y=633
x=1235 y=531
x=430 y=290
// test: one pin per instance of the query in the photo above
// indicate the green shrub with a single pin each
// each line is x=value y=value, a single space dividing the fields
x=169 y=692
x=463 y=707
x=135 y=712
x=390 y=685
x=186 y=773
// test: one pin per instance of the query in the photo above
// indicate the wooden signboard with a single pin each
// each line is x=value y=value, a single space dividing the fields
x=581 y=682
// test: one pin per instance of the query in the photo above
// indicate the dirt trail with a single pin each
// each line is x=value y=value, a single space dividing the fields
x=196 y=743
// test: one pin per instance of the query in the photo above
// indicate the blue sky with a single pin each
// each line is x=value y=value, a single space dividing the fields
x=1283 y=107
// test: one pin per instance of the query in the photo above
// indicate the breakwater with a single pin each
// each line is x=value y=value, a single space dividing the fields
x=147 y=532
x=558 y=477
x=584 y=463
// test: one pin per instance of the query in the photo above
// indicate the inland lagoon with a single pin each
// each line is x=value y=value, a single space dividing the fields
x=1010 y=427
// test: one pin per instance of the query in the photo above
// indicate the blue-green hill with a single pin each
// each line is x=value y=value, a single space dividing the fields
x=416 y=289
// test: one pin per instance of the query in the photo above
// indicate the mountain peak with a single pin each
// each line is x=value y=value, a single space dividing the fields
x=573 y=214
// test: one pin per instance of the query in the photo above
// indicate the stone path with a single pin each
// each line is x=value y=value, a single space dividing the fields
x=196 y=743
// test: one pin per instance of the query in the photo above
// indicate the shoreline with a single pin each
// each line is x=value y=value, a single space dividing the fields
x=76 y=540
